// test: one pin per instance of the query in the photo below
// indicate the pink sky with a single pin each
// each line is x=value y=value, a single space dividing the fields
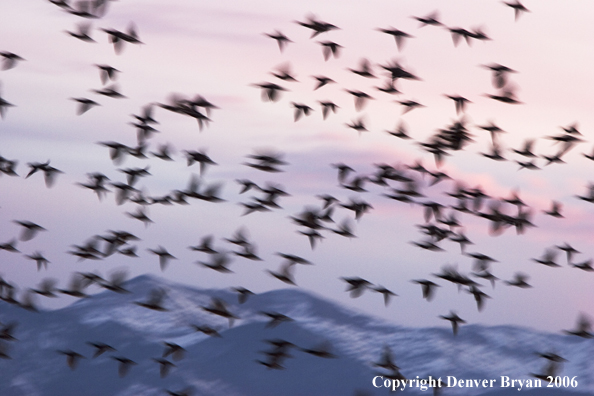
x=218 y=50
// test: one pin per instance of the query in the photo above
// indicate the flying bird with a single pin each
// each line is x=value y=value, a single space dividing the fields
x=280 y=39
x=518 y=8
x=455 y=320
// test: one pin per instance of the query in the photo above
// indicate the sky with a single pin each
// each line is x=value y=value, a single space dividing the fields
x=220 y=51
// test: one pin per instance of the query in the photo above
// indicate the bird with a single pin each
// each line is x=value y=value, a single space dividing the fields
x=364 y=69
x=317 y=26
x=4 y=105
x=499 y=76
x=184 y=392
x=242 y=294
x=428 y=288
x=49 y=172
x=519 y=280
x=29 y=230
x=72 y=358
x=555 y=210
x=82 y=32
x=116 y=282
x=460 y=102
x=86 y=9
x=388 y=294
x=518 y=8
x=401 y=131
x=39 y=259
x=283 y=72
x=506 y=95
x=431 y=19
x=205 y=245
x=209 y=331
x=111 y=91
x=455 y=320
x=548 y=258
x=300 y=110
x=584 y=265
x=361 y=98
x=583 y=328
x=10 y=246
x=398 y=35
x=174 y=350
x=163 y=152
x=327 y=107
x=9 y=59
x=164 y=256
x=458 y=33
x=386 y=360
x=219 y=307
x=6 y=331
x=322 y=81
x=330 y=48
x=568 y=249
x=280 y=39
x=293 y=259
x=356 y=286
x=47 y=288
x=409 y=105
x=84 y=105
x=100 y=348
x=358 y=125
x=275 y=319
x=154 y=300
x=479 y=296
x=285 y=273
x=322 y=350
x=345 y=229
x=118 y=38
x=267 y=161
x=219 y=262
x=124 y=365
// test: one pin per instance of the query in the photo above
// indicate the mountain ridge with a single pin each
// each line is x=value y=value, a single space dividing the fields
x=230 y=365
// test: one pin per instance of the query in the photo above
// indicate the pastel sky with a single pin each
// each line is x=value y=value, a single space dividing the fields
x=219 y=50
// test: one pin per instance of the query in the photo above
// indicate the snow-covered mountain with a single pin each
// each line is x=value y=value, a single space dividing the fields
x=229 y=365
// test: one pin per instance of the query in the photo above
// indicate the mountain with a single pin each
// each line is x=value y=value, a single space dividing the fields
x=229 y=365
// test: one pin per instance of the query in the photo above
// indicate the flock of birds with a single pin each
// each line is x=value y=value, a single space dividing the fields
x=403 y=183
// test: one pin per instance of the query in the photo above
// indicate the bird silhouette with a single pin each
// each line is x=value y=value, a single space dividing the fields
x=84 y=105
x=118 y=38
x=317 y=26
x=124 y=365
x=430 y=19
x=583 y=327
x=154 y=300
x=164 y=256
x=4 y=105
x=280 y=39
x=455 y=320
x=398 y=35
x=219 y=307
x=518 y=8
x=72 y=358
x=100 y=348
x=82 y=32
x=9 y=60
x=330 y=48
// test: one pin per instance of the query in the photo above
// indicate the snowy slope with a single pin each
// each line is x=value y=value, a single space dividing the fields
x=228 y=365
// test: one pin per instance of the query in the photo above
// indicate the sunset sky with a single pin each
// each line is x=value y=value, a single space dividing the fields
x=220 y=51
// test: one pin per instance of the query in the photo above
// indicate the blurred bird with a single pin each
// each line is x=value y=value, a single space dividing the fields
x=280 y=39
x=9 y=59
x=455 y=320
x=164 y=256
